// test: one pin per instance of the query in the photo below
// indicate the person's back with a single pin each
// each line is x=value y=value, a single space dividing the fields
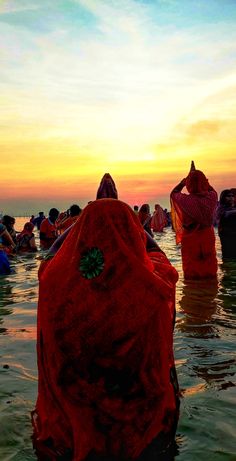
x=74 y=213
x=159 y=220
x=145 y=217
x=107 y=382
x=48 y=231
x=192 y=218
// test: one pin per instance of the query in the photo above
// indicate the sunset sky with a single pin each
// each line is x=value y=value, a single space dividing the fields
x=136 y=88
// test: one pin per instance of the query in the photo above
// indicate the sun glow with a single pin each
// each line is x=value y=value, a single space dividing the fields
x=133 y=88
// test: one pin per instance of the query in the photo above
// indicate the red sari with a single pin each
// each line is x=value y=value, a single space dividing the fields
x=159 y=220
x=192 y=219
x=105 y=340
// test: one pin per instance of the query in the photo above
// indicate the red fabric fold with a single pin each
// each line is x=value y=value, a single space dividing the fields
x=105 y=343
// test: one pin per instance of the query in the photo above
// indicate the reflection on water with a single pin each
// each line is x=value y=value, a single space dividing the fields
x=199 y=303
x=204 y=350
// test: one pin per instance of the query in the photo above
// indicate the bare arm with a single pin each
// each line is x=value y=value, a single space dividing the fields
x=8 y=238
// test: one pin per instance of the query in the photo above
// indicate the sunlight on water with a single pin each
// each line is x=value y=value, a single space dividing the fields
x=204 y=351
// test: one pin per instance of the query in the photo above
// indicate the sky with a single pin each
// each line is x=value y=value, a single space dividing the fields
x=136 y=88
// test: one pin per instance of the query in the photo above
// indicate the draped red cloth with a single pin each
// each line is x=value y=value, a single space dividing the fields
x=192 y=219
x=105 y=339
x=27 y=230
x=159 y=220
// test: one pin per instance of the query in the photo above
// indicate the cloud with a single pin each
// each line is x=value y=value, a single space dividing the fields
x=204 y=128
x=125 y=89
x=14 y=6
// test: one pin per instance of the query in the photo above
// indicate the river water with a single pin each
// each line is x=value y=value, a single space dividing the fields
x=204 y=351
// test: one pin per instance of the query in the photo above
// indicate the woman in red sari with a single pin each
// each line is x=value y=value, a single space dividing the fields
x=107 y=381
x=192 y=218
x=26 y=240
x=159 y=219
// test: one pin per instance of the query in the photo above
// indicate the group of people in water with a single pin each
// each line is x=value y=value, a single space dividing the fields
x=107 y=384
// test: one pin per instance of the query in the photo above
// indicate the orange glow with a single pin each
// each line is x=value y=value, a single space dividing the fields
x=116 y=93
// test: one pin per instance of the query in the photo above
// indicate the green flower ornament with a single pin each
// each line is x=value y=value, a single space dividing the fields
x=91 y=263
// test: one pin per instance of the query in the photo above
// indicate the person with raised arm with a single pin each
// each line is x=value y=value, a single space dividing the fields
x=192 y=218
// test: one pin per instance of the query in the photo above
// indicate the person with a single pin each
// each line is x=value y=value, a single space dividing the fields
x=192 y=218
x=159 y=220
x=111 y=192
x=107 y=385
x=71 y=218
x=233 y=191
x=48 y=231
x=39 y=219
x=168 y=217
x=226 y=218
x=32 y=218
x=26 y=240
x=145 y=218
x=107 y=187
x=6 y=242
x=4 y=262
x=9 y=222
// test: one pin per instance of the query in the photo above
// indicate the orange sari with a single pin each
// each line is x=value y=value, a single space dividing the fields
x=105 y=340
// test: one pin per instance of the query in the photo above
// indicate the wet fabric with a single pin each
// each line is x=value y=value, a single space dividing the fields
x=192 y=218
x=105 y=340
x=198 y=254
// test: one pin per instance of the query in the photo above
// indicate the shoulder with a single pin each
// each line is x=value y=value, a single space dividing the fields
x=44 y=224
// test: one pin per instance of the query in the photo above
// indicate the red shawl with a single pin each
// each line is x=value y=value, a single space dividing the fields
x=27 y=230
x=197 y=207
x=105 y=323
x=159 y=220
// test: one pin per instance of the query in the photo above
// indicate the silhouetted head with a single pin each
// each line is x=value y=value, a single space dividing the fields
x=227 y=198
x=53 y=214
x=74 y=210
x=8 y=221
x=28 y=227
x=145 y=208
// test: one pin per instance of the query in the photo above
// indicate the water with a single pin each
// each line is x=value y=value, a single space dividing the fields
x=204 y=351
